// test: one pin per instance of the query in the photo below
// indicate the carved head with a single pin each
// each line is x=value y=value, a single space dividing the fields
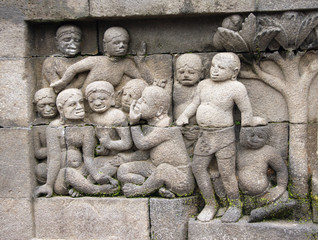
x=115 y=42
x=44 y=100
x=70 y=104
x=225 y=66
x=254 y=137
x=132 y=91
x=68 y=40
x=233 y=22
x=100 y=96
x=189 y=69
x=154 y=102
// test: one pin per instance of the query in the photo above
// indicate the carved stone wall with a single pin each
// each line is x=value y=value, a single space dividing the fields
x=277 y=44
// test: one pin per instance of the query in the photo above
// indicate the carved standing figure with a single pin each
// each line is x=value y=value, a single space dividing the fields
x=213 y=105
x=168 y=169
x=44 y=100
x=253 y=161
x=68 y=42
x=111 y=67
x=71 y=147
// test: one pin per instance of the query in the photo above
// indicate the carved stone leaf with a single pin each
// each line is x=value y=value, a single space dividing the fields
x=232 y=41
x=265 y=36
x=308 y=24
x=248 y=31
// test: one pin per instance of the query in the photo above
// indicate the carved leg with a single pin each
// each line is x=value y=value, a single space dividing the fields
x=202 y=176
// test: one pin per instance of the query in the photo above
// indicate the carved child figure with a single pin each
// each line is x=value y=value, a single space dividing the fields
x=44 y=99
x=253 y=161
x=68 y=42
x=71 y=151
x=189 y=72
x=111 y=67
x=213 y=105
x=168 y=169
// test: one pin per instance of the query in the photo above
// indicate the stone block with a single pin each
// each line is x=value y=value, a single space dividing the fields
x=16 y=219
x=179 y=35
x=122 y=8
x=266 y=101
x=51 y=10
x=16 y=163
x=272 y=5
x=91 y=218
x=169 y=217
x=13 y=32
x=43 y=42
x=274 y=230
x=17 y=86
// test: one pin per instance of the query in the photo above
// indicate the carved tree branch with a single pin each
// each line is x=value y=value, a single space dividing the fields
x=310 y=73
x=248 y=75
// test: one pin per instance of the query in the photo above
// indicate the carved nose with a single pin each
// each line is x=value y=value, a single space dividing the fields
x=47 y=108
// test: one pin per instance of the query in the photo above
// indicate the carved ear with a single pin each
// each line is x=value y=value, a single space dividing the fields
x=160 y=111
x=60 y=109
x=235 y=73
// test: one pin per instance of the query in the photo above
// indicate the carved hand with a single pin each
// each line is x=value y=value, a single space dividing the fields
x=116 y=161
x=58 y=86
x=134 y=114
x=102 y=178
x=44 y=190
x=182 y=120
x=274 y=193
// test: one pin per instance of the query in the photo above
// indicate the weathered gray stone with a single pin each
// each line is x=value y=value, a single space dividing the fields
x=122 y=8
x=16 y=219
x=169 y=217
x=91 y=218
x=279 y=138
x=55 y=10
x=274 y=230
x=270 y=5
x=16 y=163
x=266 y=101
x=17 y=84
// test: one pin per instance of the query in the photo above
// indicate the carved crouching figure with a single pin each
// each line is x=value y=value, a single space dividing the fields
x=213 y=104
x=44 y=100
x=111 y=67
x=71 y=151
x=168 y=169
x=253 y=160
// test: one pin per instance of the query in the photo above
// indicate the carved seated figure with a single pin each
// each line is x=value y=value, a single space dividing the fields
x=168 y=169
x=112 y=128
x=44 y=100
x=213 y=105
x=71 y=147
x=253 y=161
x=111 y=67
x=68 y=43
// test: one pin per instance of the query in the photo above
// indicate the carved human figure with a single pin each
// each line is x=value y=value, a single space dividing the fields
x=189 y=71
x=111 y=67
x=68 y=42
x=44 y=100
x=168 y=169
x=68 y=166
x=112 y=128
x=213 y=105
x=253 y=161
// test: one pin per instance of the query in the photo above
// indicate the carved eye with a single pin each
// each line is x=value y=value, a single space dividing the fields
x=52 y=105
x=41 y=106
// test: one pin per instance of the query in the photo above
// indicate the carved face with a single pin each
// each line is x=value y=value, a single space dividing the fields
x=145 y=105
x=254 y=138
x=46 y=107
x=100 y=101
x=69 y=44
x=129 y=94
x=188 y=76
x=117 y=46
x=73 y=108
x=222 y=69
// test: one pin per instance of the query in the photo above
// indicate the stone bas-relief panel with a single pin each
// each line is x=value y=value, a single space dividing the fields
x=115 y=132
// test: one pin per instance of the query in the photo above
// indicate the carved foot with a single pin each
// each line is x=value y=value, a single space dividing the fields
x=207 y=213
x=113 y=182
x=73 y=193
x=131 y=190
x=256 y=215
x=232 y=214
x=108 y=189
x=166 y=193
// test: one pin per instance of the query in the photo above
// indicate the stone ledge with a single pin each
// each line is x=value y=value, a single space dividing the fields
x=286 y=5
x=274 y=230
x=91 y=218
